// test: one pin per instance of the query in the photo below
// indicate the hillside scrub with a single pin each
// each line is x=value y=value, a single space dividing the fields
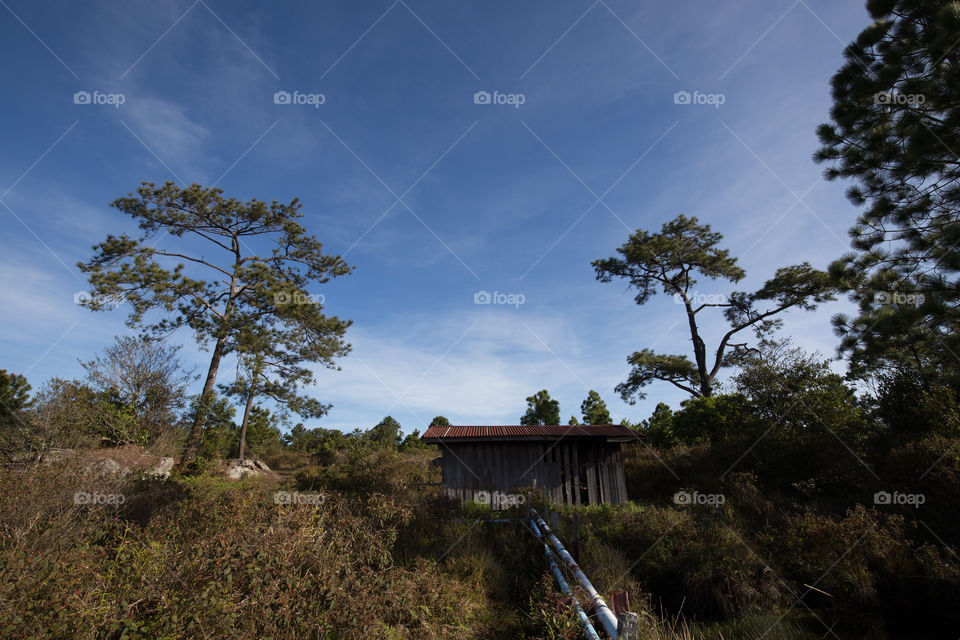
x=198 y=557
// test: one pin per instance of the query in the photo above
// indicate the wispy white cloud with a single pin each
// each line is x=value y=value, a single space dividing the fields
x=483 y=378
x=168 y=130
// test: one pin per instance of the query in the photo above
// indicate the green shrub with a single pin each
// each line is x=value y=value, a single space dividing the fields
x=712 y=419
x=198 y=557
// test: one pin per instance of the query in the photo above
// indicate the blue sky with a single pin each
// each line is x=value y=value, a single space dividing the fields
x=431 y=196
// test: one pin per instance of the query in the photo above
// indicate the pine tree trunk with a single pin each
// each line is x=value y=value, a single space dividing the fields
x=699 y=351
x=246 y=417
x=203 y=405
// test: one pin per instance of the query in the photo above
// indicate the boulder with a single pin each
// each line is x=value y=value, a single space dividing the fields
x=56 y=455
x=162 y=469
x=107 y=466
x=235 y=469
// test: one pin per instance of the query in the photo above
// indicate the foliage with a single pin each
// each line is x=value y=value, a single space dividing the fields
x=658 y=428
x=909 y=407
x=790 y=390
x=895 y=130
x=412 y=442
x=199 y=558
x=14 y=399
x=69 y=413
x=756 y=551
x=541 y=409
x=147 y=377
x=439 y=421
x=320 y=442
x=385 y=434
x=242 y=302
x=669 y=262
x=219 y=435
x=712 y=419
x=263 y=431
x=14 y=395
x=594 y=409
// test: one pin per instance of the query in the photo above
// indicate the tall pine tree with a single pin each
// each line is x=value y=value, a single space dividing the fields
x=226 y=269
x=895 y=132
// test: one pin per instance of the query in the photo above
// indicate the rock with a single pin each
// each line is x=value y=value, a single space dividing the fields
x=235 y=469
x=57 y=455
x=162 y=469
x=106 y=466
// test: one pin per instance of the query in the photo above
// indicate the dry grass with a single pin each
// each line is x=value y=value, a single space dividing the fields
x=205 y=558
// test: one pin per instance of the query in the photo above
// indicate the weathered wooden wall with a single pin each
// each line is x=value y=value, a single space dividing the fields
x=570 y=472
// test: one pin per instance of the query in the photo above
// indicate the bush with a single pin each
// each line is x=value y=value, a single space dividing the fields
x=658 y=428
x=69 y=413
x=198 y=557
x=367 y=469
x=910 y=407
x=689 y=559
x=712 y=419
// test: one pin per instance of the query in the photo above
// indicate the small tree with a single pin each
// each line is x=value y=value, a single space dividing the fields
x=14 y=399
x=791 y=390
x=69 y=413
x=277 y=378
x=14 y=395
x=219 y=430
x=244 y=272
x=669 y=261
x=711 y=418
x=439 y=421
x=147 y=376
x=412 y=442
x=318 y=442
x=594 y=409
x=386 y=434
x=658 y=428
x=541 y=409
x=262 y=431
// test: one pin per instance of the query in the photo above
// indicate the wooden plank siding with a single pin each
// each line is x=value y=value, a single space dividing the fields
x=575 y=465
x=567 y=472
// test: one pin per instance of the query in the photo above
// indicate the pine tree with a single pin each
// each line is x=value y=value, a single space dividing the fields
x=256 y=283
x=541 y=409
x=895 y=131
x=594 y=409
x=668 y=262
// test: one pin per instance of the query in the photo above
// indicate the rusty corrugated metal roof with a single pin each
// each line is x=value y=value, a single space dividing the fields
x=529 y=432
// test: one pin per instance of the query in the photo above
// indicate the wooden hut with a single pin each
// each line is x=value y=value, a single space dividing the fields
x=577 y=464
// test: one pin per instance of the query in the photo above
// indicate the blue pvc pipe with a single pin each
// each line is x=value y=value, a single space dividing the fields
x=607 y=619
x=588 y=631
